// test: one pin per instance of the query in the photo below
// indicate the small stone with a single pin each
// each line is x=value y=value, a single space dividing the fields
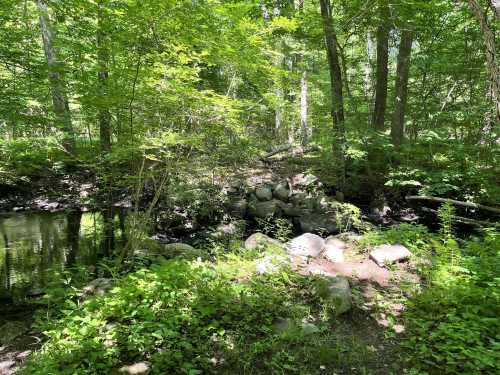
x=306 y=245
x=387 y=254
x=309 y=329
x=264 y=193
x=139 y=368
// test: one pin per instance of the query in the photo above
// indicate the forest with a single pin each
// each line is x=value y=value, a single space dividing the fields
x=249 y=187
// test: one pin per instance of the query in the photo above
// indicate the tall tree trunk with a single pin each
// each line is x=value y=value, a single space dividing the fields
x=56 y=79
x=491 y=58
x=104 y=115
x=368 y=67
x=306 y=133
x=495 y=4
x=383 y=29
x=401 y=88
x=339 y=145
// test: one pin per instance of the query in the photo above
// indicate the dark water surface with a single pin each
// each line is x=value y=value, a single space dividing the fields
x=32 y=245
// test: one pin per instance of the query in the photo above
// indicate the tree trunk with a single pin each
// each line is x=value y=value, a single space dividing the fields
x=339 y=145
x=401 y=88
x=306 y=132
x=56 y=79
x=104 y=115
x=495 y=4
x=378 y=119
x=491 y=58
x=368 y=69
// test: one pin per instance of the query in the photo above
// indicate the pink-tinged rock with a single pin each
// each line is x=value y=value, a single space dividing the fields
x=387 y=254
x=334 y=250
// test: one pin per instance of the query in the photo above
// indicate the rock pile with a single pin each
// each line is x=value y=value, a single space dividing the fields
x=300 y=199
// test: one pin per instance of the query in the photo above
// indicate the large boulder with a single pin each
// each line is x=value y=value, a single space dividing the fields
x=265 y=209
x=388 y=254
x=334 y=250
x=306 y=245
x=258 y=240
x=264 y=193
x=318 y=223
x=337 y=292
x=281 y=192
x=271 y=263
x=291 y=211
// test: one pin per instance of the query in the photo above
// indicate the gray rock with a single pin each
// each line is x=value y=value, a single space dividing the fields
x=297 y=199
x=309 y=329
x=182 y=250
x=306 y=245
x=318 y=223
x=238 y=207
x=265 y=209
x=337 y=291
x=271 y=264
x=257 y=240
x=304 y=179
x=264 y=193
x=387 y=254
x=291 y=211
x=97 y=287
x=233 y=229
x=12 y=330
x=334 y=250
x=281 y=192
x=282 y=325
x=139 y=368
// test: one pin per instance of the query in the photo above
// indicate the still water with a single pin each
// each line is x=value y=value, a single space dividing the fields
x=33 y=245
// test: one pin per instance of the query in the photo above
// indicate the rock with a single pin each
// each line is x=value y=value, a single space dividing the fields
x=238 y=207
x=309 y=329
x=297 y=199
x=139 y=368
x=318 y=223
x=281 y=192
x=98 y=287
x=265 y=209
x=304 y=179
x=281 y=325
x=291 y=211
x=349 y=236
x=233 y=229
x=257 y=240
x=387 y=254
x=337 y=291
x=306 y=245
x=182 y=250
x=264 y=193
x=334 y=250
x=12 y=330
x=270 y=264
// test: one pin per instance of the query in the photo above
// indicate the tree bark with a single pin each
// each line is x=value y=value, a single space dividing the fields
x=368 y=70
x=56 y=79
x=103 y=115
x=383 y=29
x=491 y=58
x=306 y=133
x=495 y=4
x=401 y=89
x=339 y=144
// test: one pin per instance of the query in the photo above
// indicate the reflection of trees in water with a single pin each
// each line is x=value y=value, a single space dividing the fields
x=33 y=245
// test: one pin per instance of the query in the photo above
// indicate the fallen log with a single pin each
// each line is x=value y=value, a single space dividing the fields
x=464 y=220
x=452 y=201
x=292 y=151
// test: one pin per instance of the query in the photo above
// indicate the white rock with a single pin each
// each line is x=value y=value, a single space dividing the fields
x=387 y=254
x=306 y=245
x=261 y=240
x=140 y=368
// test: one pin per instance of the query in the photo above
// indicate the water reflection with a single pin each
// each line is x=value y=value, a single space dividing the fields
x=33 y=244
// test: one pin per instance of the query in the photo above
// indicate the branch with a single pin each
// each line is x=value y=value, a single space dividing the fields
x=465 y=220
x=452 y=201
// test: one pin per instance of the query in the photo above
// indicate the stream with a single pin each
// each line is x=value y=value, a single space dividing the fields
x=33 y=245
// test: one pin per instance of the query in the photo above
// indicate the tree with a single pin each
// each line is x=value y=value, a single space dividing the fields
x=401 y=88
x=383 y=29
x=104 y=115
x=337 y=111
x=491 y=58
x=56 y=79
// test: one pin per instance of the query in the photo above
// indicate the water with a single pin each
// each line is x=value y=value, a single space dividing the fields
x=33 y=245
